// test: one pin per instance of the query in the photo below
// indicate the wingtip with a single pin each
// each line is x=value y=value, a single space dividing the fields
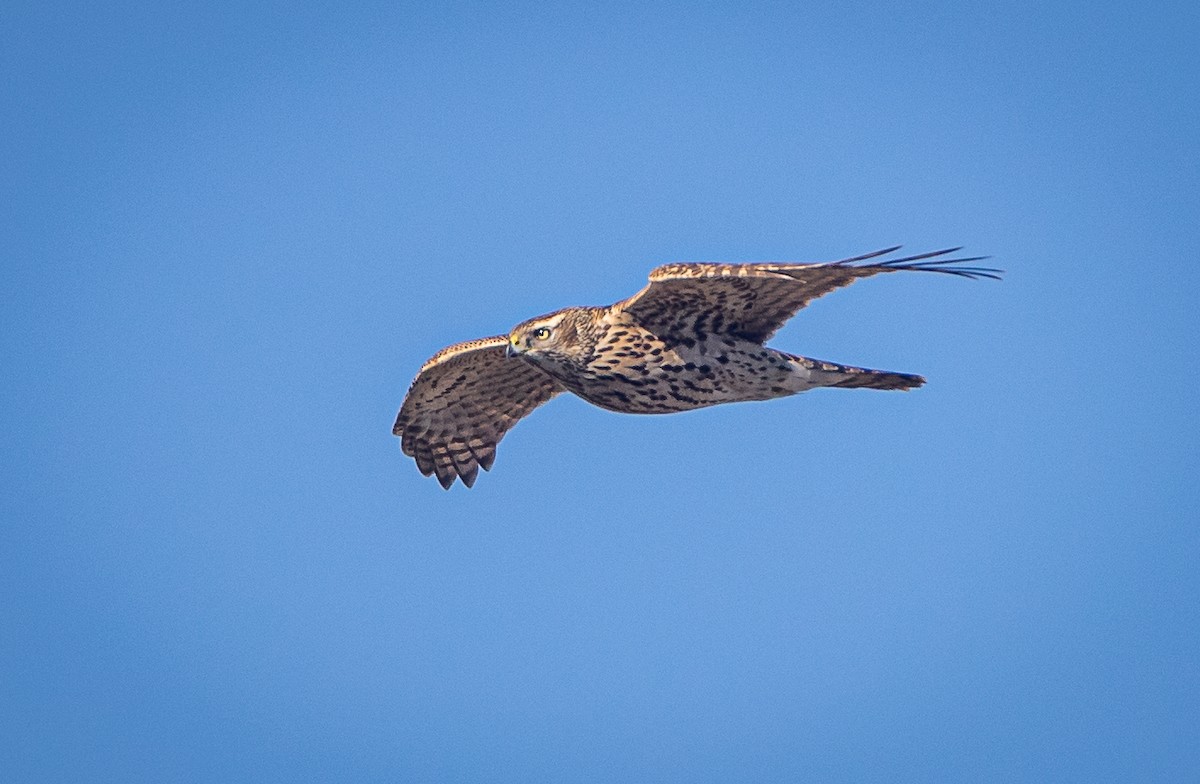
x=935 y=261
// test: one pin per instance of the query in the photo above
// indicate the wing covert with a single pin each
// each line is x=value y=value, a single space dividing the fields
x=462 y=402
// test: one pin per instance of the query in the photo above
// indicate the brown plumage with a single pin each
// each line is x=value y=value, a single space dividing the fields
x=691 y=338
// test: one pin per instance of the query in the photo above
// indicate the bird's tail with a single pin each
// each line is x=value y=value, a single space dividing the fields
x=831 y=374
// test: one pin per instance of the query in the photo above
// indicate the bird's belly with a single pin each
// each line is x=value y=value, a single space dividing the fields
x=685 y=378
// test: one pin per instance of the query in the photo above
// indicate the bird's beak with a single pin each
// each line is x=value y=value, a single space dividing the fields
x=511 y=349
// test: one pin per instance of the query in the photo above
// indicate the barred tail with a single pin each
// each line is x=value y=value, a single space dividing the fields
x=830 y=374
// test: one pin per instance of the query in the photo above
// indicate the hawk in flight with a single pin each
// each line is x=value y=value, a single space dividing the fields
x=691 y=338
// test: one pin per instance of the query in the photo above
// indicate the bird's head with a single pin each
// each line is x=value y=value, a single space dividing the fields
x=547 y=340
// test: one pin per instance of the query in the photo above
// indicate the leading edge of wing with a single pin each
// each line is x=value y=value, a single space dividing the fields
x=932 y=261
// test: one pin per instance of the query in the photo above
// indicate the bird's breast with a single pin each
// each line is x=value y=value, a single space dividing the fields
x=630 y=371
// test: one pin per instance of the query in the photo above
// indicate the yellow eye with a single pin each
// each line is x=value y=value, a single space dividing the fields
x=541 y=333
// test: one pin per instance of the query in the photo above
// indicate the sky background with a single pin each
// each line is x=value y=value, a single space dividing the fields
x=232 y=233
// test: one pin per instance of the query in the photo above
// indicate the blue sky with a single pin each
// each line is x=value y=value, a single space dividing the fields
x=232 y=235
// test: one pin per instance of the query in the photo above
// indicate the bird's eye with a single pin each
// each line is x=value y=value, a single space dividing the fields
x=541 y=333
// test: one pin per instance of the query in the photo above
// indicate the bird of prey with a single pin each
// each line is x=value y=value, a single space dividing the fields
x=691 y=338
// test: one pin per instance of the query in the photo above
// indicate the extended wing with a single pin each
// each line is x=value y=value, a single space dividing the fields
x=754 y=300
x=460 y=405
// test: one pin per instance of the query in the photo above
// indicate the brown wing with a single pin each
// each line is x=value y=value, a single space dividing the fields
x=463 y=401
x=754 y=300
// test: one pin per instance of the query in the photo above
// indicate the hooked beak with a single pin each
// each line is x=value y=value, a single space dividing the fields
x=510 y=350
